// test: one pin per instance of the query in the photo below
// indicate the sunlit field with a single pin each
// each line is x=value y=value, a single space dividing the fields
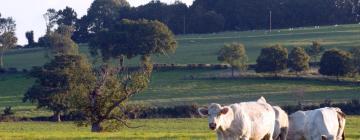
x=154 y=129
x=170 y=88
x=203 y=48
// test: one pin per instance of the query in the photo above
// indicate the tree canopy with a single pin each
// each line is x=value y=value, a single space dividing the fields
x=298 y=60
x=336 y=62
x=235 y=55
x=314 y=50
x=7 y=36
x=272 y=59
x=132 y=38
x=58 y=81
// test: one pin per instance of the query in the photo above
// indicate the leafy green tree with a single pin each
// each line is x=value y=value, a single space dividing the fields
x=67 y=16
x=60 y=41
x=30 y=37
x=235 y=55
x=337 y=63
x=50 y=18
x=103 y=13
x=132 y=38
x=7 y=36
x=314 y=50
x=356 y=57
x=298 y=60
x=58 y=81
x=272 y=59
x=103 y=106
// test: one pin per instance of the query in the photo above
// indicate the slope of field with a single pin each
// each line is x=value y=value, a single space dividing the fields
x=176 y=88
x=159 y=129
x=203 y=48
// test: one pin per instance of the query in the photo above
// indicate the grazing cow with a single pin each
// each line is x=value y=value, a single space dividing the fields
x=244 y=121
x=281 y=124
x=325 y=123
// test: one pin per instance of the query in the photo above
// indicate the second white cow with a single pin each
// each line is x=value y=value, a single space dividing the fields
x=244 y=121
x=320 y=124
x=281 y=124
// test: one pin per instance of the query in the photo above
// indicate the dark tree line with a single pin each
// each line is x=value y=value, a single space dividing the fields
x=208 y=16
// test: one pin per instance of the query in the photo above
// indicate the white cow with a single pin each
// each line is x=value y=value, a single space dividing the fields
x=325 y=123
x=281 y=124
x=244 y=121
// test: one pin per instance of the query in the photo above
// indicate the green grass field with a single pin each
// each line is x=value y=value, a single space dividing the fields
x=203 y=48
x=154 y=129
x=175 y=87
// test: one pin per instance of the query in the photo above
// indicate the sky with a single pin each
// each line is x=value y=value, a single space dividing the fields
x=28 y=14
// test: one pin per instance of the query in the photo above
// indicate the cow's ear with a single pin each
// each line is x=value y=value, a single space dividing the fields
x=203 y=111
x=224 y=110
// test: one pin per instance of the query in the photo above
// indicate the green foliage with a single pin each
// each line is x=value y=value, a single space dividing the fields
x=105 y=102
x=235 y=55
x=60 y=41
x=206 y=21
x=104 y=13
x=298 y=59
x=336 y=62
x=356 y=57
x=132 y=38
x=59 y=80
x=7 y=40
x=30 y=37
x=272 y=59
x=67 y=16
x=7 y=36
x=8 y=111
x=314 y=50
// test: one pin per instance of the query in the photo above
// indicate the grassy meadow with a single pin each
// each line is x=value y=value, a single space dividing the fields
x=171 y=88
x=154 y=129
x=203 y=48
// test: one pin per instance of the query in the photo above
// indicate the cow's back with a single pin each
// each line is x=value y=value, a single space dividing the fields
x=297 y=125
x=262 y=117
x=323 y=121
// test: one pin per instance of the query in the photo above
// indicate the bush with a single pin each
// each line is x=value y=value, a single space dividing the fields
x=8 y=111
x=12 y=70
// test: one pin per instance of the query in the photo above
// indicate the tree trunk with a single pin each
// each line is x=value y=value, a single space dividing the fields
x=96 y=127
x=121 y=62
x=57 y=116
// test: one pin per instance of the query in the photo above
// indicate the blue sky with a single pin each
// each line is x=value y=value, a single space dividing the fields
x=28 y=14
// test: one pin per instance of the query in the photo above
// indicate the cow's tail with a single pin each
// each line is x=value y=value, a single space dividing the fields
x=341 y=119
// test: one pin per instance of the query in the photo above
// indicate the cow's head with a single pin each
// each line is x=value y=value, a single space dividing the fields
x=215 y=113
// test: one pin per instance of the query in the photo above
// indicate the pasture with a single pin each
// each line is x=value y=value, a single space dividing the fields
x=203 y=48
x=154 y=129
x=172 y=88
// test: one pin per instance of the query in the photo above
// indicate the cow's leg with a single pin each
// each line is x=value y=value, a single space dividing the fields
x=283 y=134
x=220 y=136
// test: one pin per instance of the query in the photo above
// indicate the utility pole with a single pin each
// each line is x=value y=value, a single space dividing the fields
x=270 y=13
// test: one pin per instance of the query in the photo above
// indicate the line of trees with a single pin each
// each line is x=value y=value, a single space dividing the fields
x=209 y=16
x=276 y=59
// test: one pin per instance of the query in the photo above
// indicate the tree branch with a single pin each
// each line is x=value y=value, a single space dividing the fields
x=125 y=123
